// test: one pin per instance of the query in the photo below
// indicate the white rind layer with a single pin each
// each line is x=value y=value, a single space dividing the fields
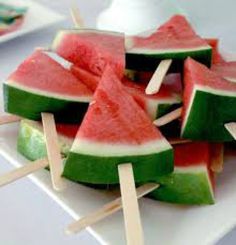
x=16 y=85
x=202 y=168
x=130 y=49
x=61 y=34
x=87 y=147
x=208 y=90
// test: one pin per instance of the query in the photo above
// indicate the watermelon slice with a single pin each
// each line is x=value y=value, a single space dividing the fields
x=31 y=142
x=209 y=102
x=192 y=181
x=40 y=84
x=166 y=99
x=92 y=49
x=125 y=134
x=174 y=40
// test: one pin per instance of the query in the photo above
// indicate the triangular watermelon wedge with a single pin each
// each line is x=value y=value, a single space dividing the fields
x=40 y=84
x=173 y=40
x=209 y=102
x=91 y=49
x=192 y=181
x=116 y=130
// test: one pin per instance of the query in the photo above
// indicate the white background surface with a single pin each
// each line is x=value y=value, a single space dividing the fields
x=28 y=216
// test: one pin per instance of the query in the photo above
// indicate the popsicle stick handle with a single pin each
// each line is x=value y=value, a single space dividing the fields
x=168 y=118
x=231 y=127
x=217 y=157
x=22 y=171
x=133 y=226
x=76 y=17
x=5 y=119
x=53 y=151
x=178 y=141
x=107 y=210
x=158 y=77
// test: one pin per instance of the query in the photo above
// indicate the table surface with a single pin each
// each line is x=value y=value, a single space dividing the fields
x=28 y=215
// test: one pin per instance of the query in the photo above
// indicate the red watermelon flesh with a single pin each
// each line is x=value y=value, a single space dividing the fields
x=39 y=70
x=216 y=56
x=67 y=130
x=226 y=69
x=92 y=50
x=88 y=78
x=115 y=110
x=177 y=32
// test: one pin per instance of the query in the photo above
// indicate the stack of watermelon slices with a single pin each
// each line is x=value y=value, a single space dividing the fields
x=107 y=117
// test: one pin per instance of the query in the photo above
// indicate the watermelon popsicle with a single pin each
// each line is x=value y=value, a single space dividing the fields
x=166 y=48
x=192 y=181
x=35 y=91
x=175 y=40
x=140 y=142
x=91 y=49
x=209 y=102
x=42 y=82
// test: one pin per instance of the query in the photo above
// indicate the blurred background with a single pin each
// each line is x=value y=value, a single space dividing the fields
x=22 y=220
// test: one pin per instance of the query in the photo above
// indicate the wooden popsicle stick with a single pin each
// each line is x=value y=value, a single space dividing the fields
x=177 y=141
x=158 y=77
x=134 y=233
x=168 y=118
x=231 y=127
x=5 y=119
x=22 y=171
x=53 y=151
x=76 y=17
x=217 y=157
x=133 y=226
x=107 y=210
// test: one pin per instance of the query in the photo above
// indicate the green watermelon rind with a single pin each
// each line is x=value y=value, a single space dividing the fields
x=191 y=188
x=149 y=62
x=207 y=115
x=31 y=142
x=17 y=101
x=104 y=171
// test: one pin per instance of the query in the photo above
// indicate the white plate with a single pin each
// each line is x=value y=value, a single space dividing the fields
x=163 y=223
x=37 y=17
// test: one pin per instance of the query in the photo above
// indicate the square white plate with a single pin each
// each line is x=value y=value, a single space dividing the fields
x=37 y=17
x=163 y=223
